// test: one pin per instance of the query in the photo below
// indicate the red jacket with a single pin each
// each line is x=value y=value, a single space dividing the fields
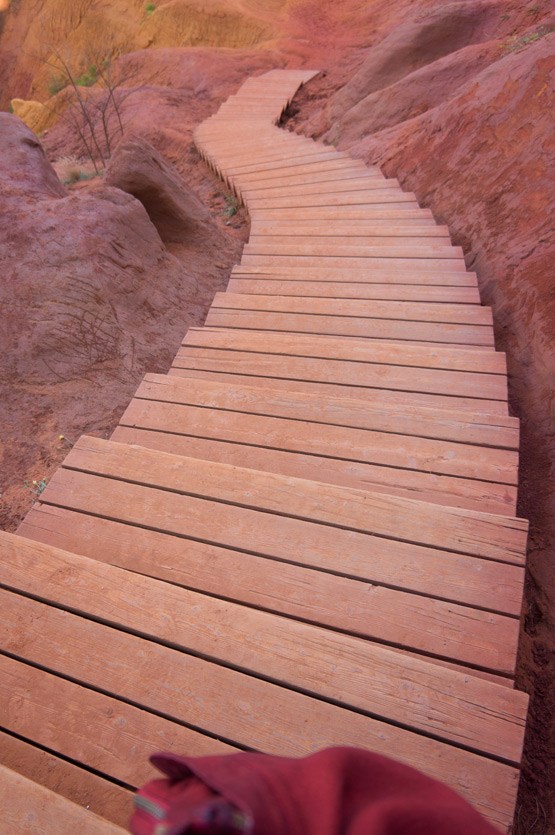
x=339 y=791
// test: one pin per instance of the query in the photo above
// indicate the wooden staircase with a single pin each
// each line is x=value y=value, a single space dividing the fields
x=304 y=535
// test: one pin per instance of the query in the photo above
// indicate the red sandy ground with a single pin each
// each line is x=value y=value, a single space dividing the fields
x=473 y=138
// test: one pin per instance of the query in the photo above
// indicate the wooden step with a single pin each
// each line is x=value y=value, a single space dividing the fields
x=484 y=429
x=380 y=273
x=398 y=311
x=430 y=387
x=105 y=798
x=351 y=290
x=228 y=636
x=435 y=471
x=30 y=808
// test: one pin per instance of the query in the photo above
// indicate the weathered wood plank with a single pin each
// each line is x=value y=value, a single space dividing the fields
x=77 y=784
x=355 y=350
x=360 y=182
x=346 y=230
x=297 y=655
x=30 y=808
x=364 y=197
x=345 y=290
x=328 y=243
x=482 y=429
x=400 y=311
x=381 y=272
x=426 y=487
x=400 y=451
x=308 y=248
x=211 y=568
x=392 y=264
x=401 y=617
x=411 y=331
x=464 y=531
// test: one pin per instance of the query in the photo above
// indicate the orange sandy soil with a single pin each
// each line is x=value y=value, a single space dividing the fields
x=453 y=99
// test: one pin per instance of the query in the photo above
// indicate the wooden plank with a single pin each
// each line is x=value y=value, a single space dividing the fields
x=382 y=274
x=356 y=350
x=210 y=568
x=400 y=311
x=391 y=249
x=264 y=644
x=392 y=265
x=482 y=429
x=212 y=366
x=494 y=537
x=323 y=440
x=269 y=151
x=344 y=290
x=319 y=598
x=368 y=197
x=89 y=727
x=358 y=181
x=83 y=787
x=380 y=329
x=410 y=228
x=247 y=164
x=378 y=562
x=340 y=213
x=426 y=487
x=30 y=808
x=314 y=172
x=335 y=378
x=319 y=239
x=304 y=172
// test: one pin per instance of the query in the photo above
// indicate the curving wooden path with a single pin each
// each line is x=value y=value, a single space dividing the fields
x=304 y=535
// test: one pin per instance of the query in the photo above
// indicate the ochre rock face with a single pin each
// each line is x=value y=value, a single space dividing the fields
x=36 y=39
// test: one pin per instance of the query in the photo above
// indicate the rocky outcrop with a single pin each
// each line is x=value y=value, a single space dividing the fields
x=421 y=40
x=90 y=300
x=138 y=169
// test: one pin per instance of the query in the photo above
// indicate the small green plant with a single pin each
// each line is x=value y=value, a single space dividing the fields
x=520 y=41
x=71 y=169
x=36 y=487
x=504 y=17
x=149 y=8
x=88 y=78
x=231 y=206
x=56 y=84
x=10 y=108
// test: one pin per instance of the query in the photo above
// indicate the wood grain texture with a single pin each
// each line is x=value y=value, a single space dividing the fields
x=159 y=553
x=355 y=350
x=345 y=378
x=351 y=290
x=414 y=468
x=472 y=428
x=439 y=701
x=228 y=371
x=470 y=532
x=30 y=808
x=88 y=790
x=379 y=272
